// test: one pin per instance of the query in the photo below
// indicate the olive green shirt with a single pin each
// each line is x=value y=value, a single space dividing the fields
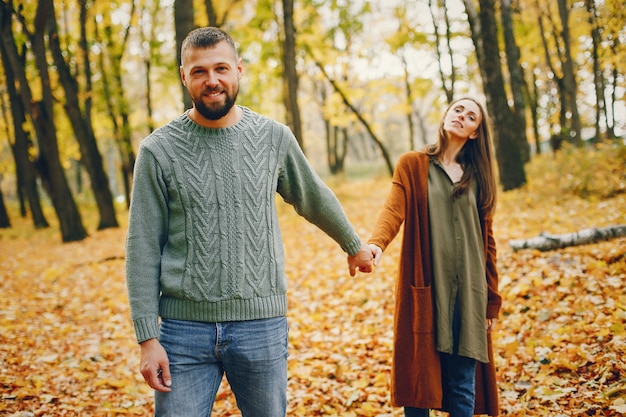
x=458 y=258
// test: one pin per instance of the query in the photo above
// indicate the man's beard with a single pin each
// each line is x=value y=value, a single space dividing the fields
x=216 y=111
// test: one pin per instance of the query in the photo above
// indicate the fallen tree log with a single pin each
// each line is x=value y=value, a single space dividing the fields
x=547 y=241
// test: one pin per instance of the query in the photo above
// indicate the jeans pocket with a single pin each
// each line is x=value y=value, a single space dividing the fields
x=423 y=319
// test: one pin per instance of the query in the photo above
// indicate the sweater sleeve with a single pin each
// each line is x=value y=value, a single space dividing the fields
x=301 y=187
x=147 y=231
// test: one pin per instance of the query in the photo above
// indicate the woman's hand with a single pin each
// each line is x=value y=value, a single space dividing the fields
x=377 y=253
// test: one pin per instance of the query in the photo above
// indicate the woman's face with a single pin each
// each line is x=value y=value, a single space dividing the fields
x=462 y=120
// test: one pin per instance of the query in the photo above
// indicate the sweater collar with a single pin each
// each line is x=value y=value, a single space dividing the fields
x=235 y=129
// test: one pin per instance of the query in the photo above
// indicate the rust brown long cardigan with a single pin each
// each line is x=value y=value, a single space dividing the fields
x=416 y=368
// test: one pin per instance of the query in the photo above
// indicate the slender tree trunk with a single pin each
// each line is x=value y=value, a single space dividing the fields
x=449 y=36
x=423 y=125
x=334 y=158
x=290 y=73
x=598 y=79
x=115 y=98
x=212 y=15
x=446 y=83
x=48 y=163
x=614 y=87
x=5 y=222
x=569 y=78
x=516 y=80
x=24 y=169
x=81 y=121
x=359 y=116
x=151 y=41
x=409 y=103
x=555 y=139
x=183 y=23
x=341 y=153
x=485 y=38
x=531 y=98
x=330 y=132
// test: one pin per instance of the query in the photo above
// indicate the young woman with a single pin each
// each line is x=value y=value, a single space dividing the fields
x=447 y=290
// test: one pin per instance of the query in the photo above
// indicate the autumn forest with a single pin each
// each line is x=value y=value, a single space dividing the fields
x=358 y=83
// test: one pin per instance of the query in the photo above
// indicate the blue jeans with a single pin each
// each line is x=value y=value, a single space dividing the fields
x=459 y=387
x=252 y=354
x=458 y=377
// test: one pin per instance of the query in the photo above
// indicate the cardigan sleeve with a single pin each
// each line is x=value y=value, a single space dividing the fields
x=494 y=300
x=393 y=213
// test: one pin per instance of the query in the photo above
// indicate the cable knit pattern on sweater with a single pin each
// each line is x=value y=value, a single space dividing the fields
x=203 y=240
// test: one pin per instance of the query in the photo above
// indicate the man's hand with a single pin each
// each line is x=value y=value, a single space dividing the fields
x=361 y=261
x=155 y=366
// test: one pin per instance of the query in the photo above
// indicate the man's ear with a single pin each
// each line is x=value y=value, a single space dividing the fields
x=240 y=67
x=182 y=76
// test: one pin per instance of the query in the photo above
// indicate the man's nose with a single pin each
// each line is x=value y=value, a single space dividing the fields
x=211 y=79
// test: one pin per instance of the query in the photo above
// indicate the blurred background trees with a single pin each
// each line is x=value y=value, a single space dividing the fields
x=358 y=82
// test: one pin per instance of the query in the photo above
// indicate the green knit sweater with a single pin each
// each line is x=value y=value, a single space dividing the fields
x=203 y=239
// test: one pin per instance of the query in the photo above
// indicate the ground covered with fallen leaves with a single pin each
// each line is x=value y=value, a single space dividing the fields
x=67 y=347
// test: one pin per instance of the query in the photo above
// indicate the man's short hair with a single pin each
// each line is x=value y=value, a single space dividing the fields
x=206 y=37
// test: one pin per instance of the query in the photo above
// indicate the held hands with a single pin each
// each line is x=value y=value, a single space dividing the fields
x=377 y=253
x=361 y=261
x=155 y=366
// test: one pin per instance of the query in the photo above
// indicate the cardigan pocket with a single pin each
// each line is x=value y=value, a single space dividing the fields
x=423 y=320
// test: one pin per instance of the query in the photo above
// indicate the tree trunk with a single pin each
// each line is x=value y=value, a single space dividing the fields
x=598 y=79
x=211 y=12
x=447 y=85
x=569 y=79
x=48 y=163
x=485 y=38
x=358 y=115
x=556 y=138
x=614 y=86
x=5 y=222
x=81 y=122
x=24 y=169
x=151 y=40
x=116 y=102
x=516 y=80
x=290 y=73
x=409 y=103
x=531 y=98
x=183 y=23
x=336 y=144
x=335 y=154
x=547 y=241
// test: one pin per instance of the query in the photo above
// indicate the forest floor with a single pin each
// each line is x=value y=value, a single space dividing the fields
x=67 y=346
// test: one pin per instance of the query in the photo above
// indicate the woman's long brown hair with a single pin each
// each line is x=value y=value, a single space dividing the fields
x=476 y=158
